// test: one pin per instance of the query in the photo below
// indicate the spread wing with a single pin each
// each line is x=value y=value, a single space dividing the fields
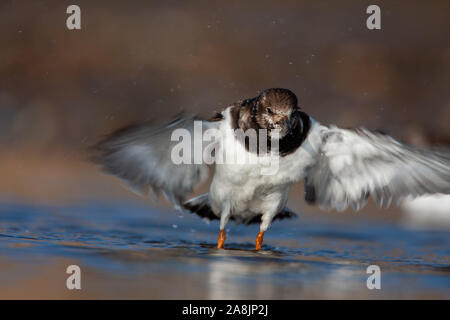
x=356 y=164
x=142 y=156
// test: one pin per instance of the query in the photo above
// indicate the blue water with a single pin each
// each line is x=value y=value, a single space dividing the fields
x=129 y=249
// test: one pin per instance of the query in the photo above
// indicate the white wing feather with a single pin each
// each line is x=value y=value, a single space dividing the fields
x=355 y=164
x=140 y=155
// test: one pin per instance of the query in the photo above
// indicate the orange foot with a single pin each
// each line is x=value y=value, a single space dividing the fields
x=259 y=240
x=221 y=239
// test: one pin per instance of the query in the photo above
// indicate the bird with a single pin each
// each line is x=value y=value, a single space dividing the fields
x=340 y=167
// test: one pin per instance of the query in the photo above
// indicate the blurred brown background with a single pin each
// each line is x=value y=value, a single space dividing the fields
x=60 y=89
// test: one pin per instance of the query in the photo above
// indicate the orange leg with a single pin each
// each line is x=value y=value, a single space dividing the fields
x=259 y=240
x=221 y=239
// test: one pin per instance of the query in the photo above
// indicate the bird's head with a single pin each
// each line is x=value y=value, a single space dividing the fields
x=277 y=109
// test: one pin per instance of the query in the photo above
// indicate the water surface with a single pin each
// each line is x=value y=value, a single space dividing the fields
x=130 y=251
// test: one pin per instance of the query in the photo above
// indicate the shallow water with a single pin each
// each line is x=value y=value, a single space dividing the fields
x=130 y=251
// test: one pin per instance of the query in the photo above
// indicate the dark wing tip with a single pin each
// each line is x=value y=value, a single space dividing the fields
x=202 y=209
x=286 y=213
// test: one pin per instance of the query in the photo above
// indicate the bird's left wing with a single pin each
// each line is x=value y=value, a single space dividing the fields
x=355 y=164
x=142 y=156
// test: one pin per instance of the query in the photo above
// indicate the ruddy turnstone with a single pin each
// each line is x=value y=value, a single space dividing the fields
x=340 y=167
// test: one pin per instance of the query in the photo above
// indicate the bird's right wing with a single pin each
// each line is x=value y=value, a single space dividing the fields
x=143 y=157
x=355 y=164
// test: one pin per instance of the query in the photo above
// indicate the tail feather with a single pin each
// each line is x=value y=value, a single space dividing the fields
x=200 y=206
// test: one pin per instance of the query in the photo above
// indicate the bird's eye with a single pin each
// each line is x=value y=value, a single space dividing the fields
x=269 y=111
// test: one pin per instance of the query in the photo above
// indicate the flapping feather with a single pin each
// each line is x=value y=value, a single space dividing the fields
x=140 y=155
x=356 y=164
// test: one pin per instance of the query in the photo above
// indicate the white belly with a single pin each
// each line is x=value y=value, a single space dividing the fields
x=247 y=188
x=255 y=187
x=246 y=194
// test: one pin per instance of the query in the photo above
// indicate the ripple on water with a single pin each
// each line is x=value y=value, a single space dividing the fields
x=306 y=259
